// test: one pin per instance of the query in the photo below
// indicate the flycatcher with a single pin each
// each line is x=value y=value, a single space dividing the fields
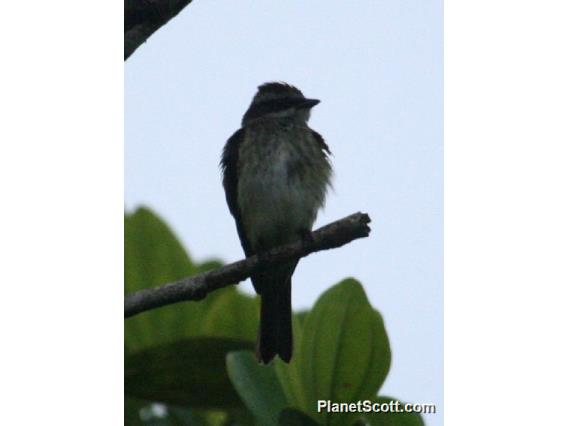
x=276 y=173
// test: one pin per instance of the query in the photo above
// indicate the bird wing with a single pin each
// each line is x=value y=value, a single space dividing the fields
x=321 y=142
x=229 y=162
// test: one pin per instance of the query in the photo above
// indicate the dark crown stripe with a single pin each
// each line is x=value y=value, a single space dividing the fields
x=258 y=109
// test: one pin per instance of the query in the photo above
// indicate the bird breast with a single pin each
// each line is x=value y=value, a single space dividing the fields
x=279 y=190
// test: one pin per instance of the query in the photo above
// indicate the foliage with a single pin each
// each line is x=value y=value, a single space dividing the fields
x=192 y=363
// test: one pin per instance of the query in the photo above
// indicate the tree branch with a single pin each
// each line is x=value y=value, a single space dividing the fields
x=334 y=235
x=144 y=17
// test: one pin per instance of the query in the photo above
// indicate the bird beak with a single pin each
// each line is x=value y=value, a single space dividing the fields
x=308 y=103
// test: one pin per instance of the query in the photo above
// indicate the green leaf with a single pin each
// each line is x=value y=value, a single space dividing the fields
x=301 y=316
x=290 y=375
x=232 y=315
x=153 y=256
x=208 y=265
x=293 y=417
x=390 y=418
x=189 y=372
x=345 y=349
x=257 y=386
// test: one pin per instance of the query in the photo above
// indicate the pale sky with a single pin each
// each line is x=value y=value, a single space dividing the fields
x=377 y=68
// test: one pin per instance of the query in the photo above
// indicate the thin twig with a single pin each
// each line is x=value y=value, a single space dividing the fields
x=334 y=235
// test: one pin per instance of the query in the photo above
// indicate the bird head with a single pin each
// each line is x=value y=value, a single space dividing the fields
x=279 y=101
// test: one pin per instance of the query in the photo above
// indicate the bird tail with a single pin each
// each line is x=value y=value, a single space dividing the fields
x=275 y=332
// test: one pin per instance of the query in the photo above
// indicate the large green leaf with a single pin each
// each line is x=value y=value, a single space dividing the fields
x=232 y=315
x=293 y=417
x=390 y=418
x=257 y=386
x=189 y=372
x=290 y=375
x=154 y=256
x=345 y=349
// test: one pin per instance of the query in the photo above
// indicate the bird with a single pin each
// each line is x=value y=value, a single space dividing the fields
x=276 y=174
